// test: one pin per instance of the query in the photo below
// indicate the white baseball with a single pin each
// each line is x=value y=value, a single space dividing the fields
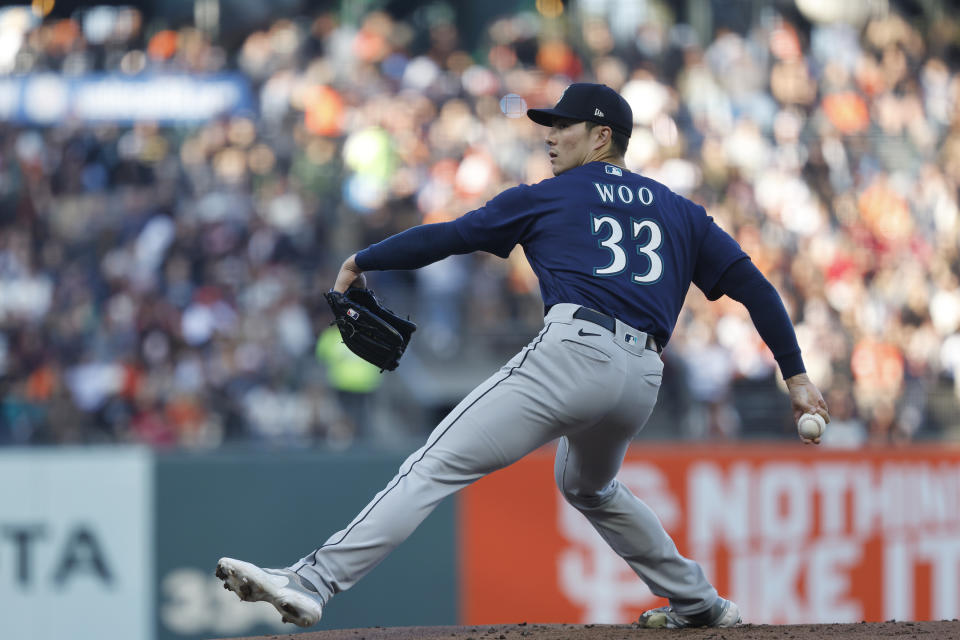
x=811 y=426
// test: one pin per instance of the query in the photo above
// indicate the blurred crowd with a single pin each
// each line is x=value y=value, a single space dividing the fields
x=162 y=284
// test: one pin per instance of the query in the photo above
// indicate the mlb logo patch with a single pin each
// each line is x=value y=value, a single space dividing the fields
x=612 y=170
x=630 y=339
x=353 y=313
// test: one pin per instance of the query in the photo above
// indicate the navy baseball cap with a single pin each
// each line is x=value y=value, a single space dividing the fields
x=587 y=101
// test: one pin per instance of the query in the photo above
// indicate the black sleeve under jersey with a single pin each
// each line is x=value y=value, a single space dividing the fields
x=414 y=248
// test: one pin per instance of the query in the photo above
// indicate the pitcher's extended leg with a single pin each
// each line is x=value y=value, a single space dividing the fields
x=585 y=470
x=502 y=420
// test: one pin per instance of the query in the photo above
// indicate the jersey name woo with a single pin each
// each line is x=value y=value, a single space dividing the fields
x=624 y=194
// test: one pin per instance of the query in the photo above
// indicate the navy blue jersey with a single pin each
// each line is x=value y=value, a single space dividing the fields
x=609 y=239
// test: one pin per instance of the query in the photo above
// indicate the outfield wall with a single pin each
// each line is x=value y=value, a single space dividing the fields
x=792 y=533
x=100 y=541
x=122 y=543
x=76 y=543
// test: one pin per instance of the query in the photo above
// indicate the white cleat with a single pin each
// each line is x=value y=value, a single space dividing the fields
x=723 y=613
x=295 y=598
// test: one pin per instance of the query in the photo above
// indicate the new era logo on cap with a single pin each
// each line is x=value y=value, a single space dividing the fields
x=587 y=101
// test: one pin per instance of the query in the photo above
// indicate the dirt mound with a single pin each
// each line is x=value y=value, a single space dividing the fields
x=929 y=630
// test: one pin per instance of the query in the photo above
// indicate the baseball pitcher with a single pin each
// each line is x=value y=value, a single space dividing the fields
x=615 y=253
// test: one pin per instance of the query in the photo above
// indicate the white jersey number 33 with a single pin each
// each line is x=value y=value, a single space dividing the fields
x=613 y=243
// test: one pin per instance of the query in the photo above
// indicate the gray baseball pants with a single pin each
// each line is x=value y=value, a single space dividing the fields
x=594 y=392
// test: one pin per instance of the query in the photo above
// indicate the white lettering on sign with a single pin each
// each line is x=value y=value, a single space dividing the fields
x=718 y=504
x=768 y=582
x=793 y=540
x=783 y=503
x=941 y=554
x=792 y=535
x=828 y=580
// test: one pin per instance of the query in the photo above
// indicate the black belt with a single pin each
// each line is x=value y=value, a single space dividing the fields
x=608 y=323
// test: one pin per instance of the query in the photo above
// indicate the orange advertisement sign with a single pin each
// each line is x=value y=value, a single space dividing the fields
x=793 y=534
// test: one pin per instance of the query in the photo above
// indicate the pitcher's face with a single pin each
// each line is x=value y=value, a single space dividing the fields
x=568 y=143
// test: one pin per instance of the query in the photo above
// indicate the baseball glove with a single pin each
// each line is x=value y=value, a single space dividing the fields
x=369 y=329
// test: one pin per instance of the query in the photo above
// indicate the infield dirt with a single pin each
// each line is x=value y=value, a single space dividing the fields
x=929 y=630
